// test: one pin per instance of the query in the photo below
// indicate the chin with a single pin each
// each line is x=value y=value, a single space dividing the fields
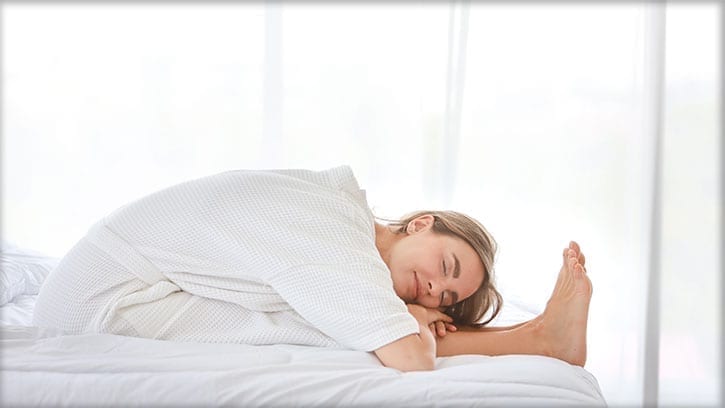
x=397 y=293
x=405 y=298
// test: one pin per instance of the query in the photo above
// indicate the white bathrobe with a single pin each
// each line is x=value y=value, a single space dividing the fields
x=256 y=257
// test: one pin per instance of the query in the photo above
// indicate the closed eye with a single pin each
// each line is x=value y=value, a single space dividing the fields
x=445 y=273
x=450 y=296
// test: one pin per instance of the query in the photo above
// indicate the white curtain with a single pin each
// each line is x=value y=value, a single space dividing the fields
x=543 y=121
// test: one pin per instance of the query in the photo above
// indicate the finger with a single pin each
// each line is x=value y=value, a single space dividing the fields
x=438 y=315
x=450 y=327
x=441 y=328
x=435 y=330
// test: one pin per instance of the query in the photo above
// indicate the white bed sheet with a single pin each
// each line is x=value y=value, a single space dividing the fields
x=42 y=367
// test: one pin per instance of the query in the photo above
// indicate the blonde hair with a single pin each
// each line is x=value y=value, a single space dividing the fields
x=469 y=311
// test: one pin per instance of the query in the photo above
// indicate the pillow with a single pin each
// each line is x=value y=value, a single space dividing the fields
x=23 y=271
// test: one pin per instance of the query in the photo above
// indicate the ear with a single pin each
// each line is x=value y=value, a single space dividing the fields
x=420 y=224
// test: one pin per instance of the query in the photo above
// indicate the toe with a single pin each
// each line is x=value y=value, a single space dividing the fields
x=572 y=261
x=572 y=254
x=573 y=245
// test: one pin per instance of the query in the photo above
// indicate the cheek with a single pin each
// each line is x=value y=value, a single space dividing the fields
x=399 y=266
x=470 y=291
x=415 y=254
x=471 y=288
x=404 y=257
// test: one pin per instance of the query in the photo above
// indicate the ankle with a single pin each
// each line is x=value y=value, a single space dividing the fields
x=541 y=336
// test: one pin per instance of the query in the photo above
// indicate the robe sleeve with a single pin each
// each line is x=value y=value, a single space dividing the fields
x=353 y=304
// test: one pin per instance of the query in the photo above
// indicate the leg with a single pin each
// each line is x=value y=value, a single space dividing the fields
x=215 y=321
x=560 y=331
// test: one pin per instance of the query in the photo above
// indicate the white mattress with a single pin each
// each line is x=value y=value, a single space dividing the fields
x=42 y=367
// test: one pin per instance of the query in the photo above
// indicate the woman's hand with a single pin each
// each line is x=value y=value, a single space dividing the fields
x=440 y=328
x=438 y=322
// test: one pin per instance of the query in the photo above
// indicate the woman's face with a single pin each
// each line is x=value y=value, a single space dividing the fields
x=433 y=270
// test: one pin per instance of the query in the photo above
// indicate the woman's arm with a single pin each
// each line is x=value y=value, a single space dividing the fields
x=417 y=351
x=411 y=353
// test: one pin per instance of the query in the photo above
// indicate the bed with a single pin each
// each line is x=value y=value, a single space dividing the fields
x=45 y=367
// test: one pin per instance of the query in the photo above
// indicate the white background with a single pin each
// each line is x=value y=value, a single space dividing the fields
x=537 y=126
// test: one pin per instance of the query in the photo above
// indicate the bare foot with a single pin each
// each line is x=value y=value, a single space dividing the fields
x=564 y=321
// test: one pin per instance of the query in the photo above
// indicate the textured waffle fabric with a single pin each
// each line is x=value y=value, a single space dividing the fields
x=255 y=257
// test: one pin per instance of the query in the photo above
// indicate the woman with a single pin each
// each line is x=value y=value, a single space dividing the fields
x=296 y=256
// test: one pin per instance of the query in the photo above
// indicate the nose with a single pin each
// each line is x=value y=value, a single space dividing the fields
x=435 y=288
